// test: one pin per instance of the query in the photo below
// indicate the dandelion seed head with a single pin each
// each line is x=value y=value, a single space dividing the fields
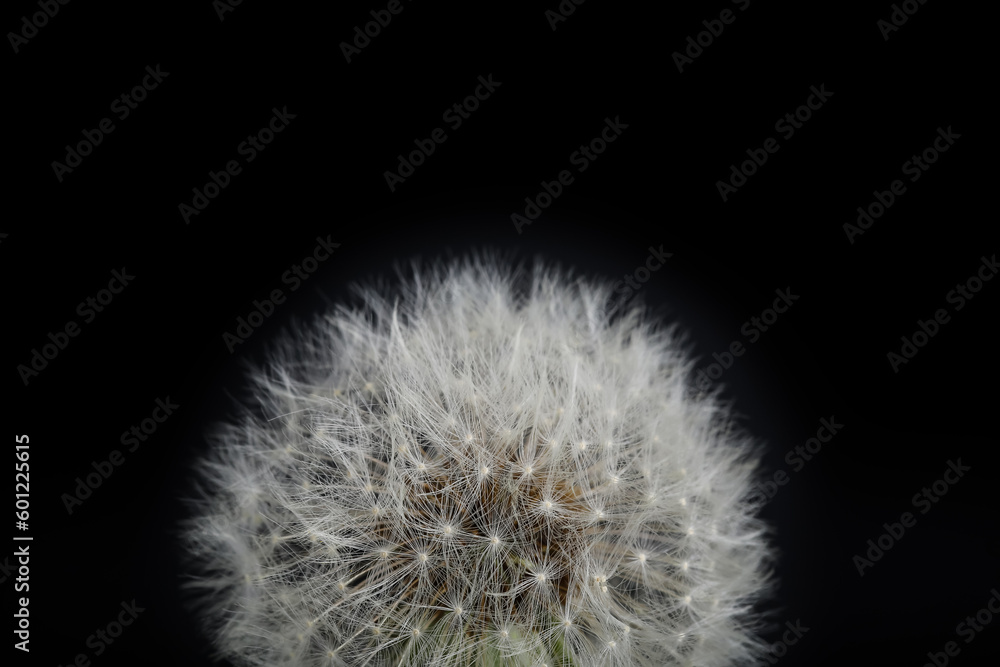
x=479 y=469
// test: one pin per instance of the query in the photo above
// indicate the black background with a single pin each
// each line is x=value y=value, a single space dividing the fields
x=323 y=176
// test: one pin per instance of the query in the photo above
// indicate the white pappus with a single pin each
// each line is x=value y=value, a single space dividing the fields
x=491 y=467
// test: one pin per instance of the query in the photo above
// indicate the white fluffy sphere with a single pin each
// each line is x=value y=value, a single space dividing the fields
x=491 y=468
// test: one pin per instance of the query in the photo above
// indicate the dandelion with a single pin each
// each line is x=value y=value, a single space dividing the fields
x=493 y=467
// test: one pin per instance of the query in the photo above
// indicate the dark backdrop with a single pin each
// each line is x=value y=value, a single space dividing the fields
x=223 y=72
